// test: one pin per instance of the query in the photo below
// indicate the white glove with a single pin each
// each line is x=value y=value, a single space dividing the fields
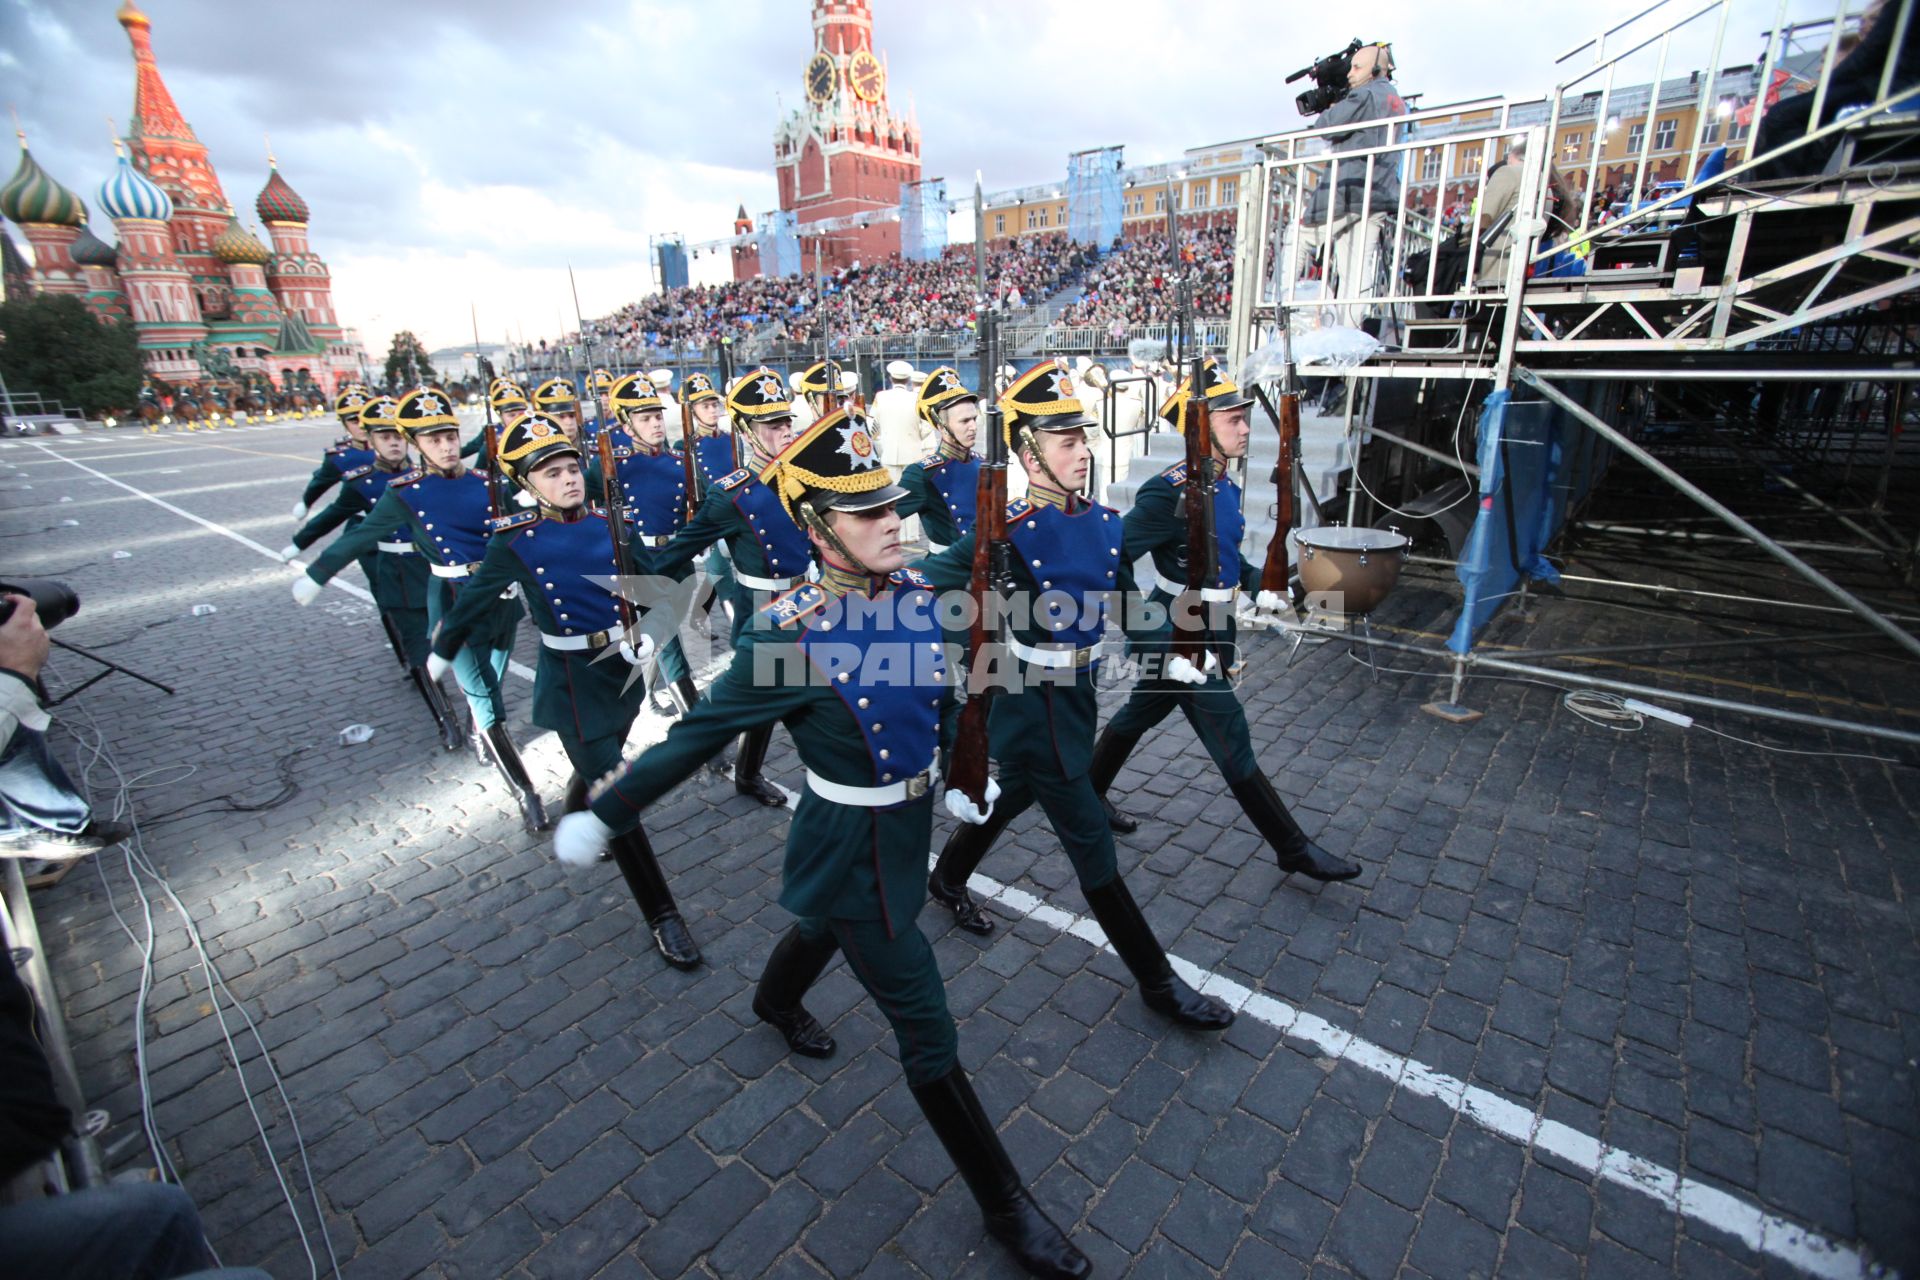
x=288 y=552
x=1183 y=670
x=305 y=590
x=1269 y=602
x=438 y=666
x=580 y=839
x=636 y=647
x=299 y=511
x=961 y=805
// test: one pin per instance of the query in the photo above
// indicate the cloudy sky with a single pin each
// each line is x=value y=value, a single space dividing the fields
x=468 y=151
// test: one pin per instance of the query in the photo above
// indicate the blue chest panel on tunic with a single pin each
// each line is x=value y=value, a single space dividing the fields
x=780 y=539
x=884 y=659
x=1078 y=555
x=959 y=483
x=453 y=514
x=563 y=558
x=715 y=454
x=655 y=486
x=348 y=459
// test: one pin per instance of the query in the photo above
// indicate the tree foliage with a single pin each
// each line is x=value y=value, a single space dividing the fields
x=408 y=364
x=53 y=345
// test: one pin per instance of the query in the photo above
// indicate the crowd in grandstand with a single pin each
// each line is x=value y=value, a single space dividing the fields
x=1136 y=283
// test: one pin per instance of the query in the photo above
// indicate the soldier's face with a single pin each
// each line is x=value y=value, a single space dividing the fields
x=559 y=483
x=706 y=412
x=873 y=537
x=569 y=422
x=963 y=422
x=354 y=430
x=512 y=414
x=774 y=434
x=388 y=446
x=648 y=426
x=1230 y=432
x=441 y=449
x=1066 y=454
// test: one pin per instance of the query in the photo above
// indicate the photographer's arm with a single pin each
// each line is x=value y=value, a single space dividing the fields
x=23 y=649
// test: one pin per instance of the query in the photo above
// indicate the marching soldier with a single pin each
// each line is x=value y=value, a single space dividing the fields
x=869 y=734
x=445 y=509
x=344 y=455
x=599 y=382
x=1064 y=547
x=396 y=572
x=944 y=490
x=558 y=400
x=587 y=686
x=813 y=387
x=769 y=550
x=653 y=482
x=509 y=401
x=713 y=443
x=1157 y=526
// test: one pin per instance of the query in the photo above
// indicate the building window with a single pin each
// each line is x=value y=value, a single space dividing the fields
x=1229 y=190
x=1663 y=134
x=1470 y=162
x=1044 y=216
x=1712 y=134
x=1429 y=165
x=1572 y=148
x=999 y=224
x=1032 y=216
x=1635 y=136
x=1160 y=202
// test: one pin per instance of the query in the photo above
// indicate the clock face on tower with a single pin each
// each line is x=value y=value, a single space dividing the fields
x=866 y=75
x=820 y=76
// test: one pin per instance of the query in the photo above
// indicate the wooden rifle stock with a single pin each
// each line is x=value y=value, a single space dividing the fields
x=494 y=477
x=967 y=762
x=1189 y=615
x=610 y=496
x=689 y=465
x=1274 y=574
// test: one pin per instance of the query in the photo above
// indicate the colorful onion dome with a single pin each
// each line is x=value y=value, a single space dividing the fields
x=32 y=196
x=236 y=245
x=279 y=202
x=90 y=250
x=130 y=193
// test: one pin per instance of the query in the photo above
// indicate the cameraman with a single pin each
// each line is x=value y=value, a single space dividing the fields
x=1358 y=216
x=42 y=815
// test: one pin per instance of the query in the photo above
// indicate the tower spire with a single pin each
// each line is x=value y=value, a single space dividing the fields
x=162 y=142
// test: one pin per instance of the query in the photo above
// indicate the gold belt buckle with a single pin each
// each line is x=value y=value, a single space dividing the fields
x=919 y=784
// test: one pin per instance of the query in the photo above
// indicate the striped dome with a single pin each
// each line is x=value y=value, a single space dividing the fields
x=279 y=202
x=32 y=196
x=237 y=244
x=129 y=193
x=90 y=250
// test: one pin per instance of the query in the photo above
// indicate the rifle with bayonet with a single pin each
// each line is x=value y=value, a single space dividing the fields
x=586 y=350
x=613 y=498
x=491 y=431
x=726 y=389
x=992 y=554
x=1191 y=634
x=1274 y=574
x=689 y=464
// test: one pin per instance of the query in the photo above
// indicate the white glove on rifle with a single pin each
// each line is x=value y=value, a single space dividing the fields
x=305 y=590
x=580 y=839
x=1270 y=602
x=961 y=805
x=288 y=552
x=1182 y=669
x=438 y=666
x=636 y=647
x=299 y=511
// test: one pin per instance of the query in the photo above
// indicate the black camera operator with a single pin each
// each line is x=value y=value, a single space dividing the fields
x=42 y=814
x=1349 y=211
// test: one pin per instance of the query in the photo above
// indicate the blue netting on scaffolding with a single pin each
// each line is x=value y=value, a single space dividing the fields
x=1095 y=196
x=780 y=243
x=923 y=219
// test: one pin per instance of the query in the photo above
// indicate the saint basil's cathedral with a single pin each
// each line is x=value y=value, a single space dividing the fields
x=206 y=297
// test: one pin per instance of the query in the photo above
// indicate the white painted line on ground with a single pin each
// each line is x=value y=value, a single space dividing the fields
x=1798 y=1246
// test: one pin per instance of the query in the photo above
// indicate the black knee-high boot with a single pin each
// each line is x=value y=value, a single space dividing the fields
x=1110 y=751
x=1013 y=1217
x=507 y=759
x=1162 y=990
x=444 y=718
x=1271 y=819
x=958 y=859
x=576 y=795
x=747 y=765
x=795 y=965
x=634 y=856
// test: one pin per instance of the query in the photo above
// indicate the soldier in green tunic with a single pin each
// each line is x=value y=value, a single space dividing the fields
x=344 y=454
x=587 y=686
x=1157 y=526
x=445 y=508
x=509 y=401
x=853 y=665
x=557 y=398
x=770 y=553
x=1069 y=559
x=943 y=490
x=396 y=572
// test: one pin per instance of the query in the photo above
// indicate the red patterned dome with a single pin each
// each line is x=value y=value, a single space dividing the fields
x=279 y=202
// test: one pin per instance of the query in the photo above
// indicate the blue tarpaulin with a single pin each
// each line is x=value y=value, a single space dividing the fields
x=1523 y=502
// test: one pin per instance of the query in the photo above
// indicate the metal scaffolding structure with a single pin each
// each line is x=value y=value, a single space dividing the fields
x=1742 y=338
x=923 y=219
x=1095 y=181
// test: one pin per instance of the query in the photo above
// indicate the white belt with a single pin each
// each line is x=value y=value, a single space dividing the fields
x=935 y=548
x=652 y=539
x=1062 y=658
x=874 y=797
x=597 y=640
x=395 y=548
x=452 y=570
x=763 y=584
x=1218 y=595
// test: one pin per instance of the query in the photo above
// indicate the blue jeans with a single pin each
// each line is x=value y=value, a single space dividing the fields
x=130 y=1231
x=35 y=791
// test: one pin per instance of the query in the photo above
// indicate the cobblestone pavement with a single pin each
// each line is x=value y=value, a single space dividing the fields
x=1602 y=1004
